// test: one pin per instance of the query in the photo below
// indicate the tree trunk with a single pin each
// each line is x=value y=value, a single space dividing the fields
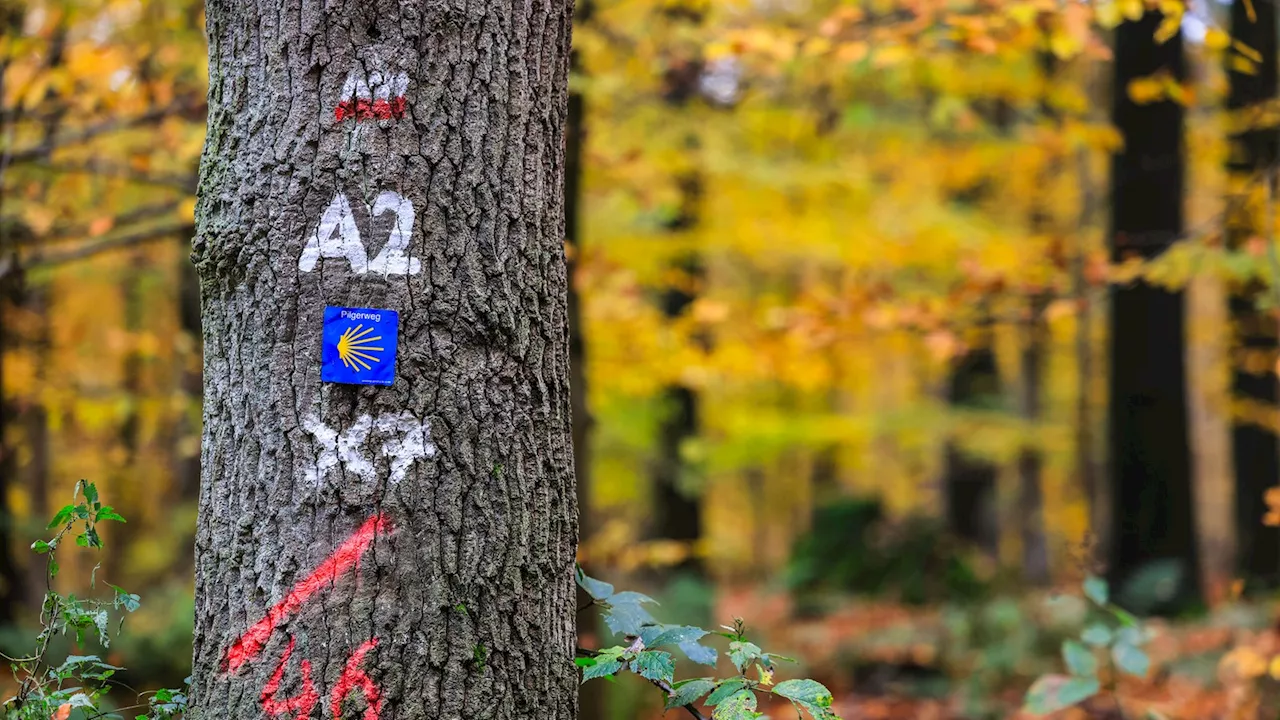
x=399 y=551
x=1032 y=358
x=1035 y=545
x=1150 y=459
x=1254 y=448
x=970 y=483
x=591 y=698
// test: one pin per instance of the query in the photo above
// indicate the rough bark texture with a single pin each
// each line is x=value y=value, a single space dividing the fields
x=1255 y=451
x=1150 y=457
x=341 y=573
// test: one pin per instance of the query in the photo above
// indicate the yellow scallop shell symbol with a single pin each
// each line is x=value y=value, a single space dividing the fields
x=354 y=348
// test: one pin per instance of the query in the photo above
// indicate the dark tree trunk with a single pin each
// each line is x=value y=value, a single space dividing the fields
x=590 y=695
x=405 y=551
x=1150 y=458
x=1035 y=546
x=970 y=483
x=1254 y=447
x=10 y=576
x=1035 y=338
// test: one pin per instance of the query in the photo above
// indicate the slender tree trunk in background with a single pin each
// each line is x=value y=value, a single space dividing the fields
x=1255 y=451
x=677 y=506
x=1035 y=548
x=36 y=420
x=1086 y=460
x=10 y=576
x=1150 y=457
x=590 y=695
x=405 y=551
x=970 y=483
x=1035 y=340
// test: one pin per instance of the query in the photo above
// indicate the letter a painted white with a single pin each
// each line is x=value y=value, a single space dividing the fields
x=394 y=258
x=335 y=237
x=356 y=86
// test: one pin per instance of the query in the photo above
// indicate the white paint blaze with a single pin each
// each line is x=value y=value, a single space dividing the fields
x=377 y=85
x=394 y=258
x=405 y=440
x=337 y=236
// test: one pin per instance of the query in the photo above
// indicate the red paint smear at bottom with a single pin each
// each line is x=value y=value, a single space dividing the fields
x=301 y=705
x=248 y=645
x=352 y=679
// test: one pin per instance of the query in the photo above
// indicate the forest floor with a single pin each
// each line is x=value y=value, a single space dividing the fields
x=885 y=661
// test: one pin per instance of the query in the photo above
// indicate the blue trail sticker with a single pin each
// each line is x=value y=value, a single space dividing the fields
x=359 y=346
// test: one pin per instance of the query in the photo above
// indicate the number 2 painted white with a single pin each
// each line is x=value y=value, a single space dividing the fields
x=336 y=236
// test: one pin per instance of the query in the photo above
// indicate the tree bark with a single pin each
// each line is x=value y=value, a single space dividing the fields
x=389 y=552
x=1148 y=447
x=1255 y=452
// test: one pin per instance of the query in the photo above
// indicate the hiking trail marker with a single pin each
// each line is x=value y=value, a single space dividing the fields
x=359 y=346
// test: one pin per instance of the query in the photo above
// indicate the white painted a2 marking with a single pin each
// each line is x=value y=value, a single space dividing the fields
x=336 y=236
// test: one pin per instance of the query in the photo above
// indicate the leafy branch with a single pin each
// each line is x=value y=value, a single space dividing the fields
x=649 y=655
x=48 y=690
x=1111 y=631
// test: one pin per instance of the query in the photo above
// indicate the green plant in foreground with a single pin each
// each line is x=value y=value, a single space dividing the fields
x=79 y=683
x=733 y=697
x=1109 y=631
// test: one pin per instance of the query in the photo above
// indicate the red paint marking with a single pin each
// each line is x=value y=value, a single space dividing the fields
x=367 y=110
x=347 y=556
x=352 y=679
x=301 y=705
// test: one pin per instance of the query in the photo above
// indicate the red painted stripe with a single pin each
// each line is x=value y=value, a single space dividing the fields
x=301 y=704
x=362 y=109
x=248 y=645
x=352 y=679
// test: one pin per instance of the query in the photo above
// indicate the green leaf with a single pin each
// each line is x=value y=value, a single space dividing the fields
x=805 y=692
x=675 y=635
x=41 y=546
x=654 y=665
x=1131 y=635
x=584 y=662
x=1131 y=659
x=597 y=589
x=725 y=689
x=126 y=600
x=1052 y=693
x=1098 y=635
x=739 y=706
x=1095 y=588
x=742 y=653
x=625 y=615
x=699 y=653
x=688 y=692
x=82 y=541
x=1080 y=659
x=91 y=494
x=109 y=513
x=630 y=596
x=61 y=517
x=601 y=669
